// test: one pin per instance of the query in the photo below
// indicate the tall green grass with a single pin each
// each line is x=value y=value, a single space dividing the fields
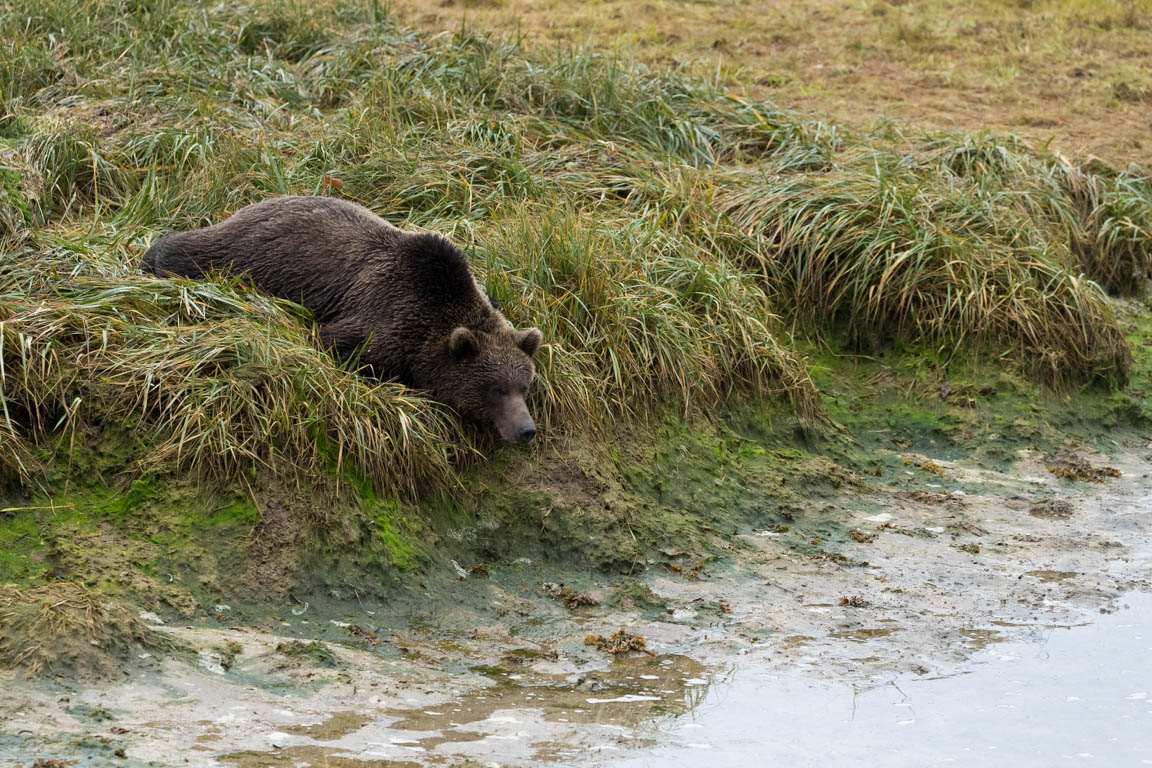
x=883 y=257
x=636 y=317
x=663 y=233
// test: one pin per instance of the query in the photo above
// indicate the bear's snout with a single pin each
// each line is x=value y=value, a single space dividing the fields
x=514 y=422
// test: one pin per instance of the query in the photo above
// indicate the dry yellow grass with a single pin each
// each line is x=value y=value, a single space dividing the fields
x=1076 y=71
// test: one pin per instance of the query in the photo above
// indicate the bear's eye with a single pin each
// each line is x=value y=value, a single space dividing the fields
x=498 y=391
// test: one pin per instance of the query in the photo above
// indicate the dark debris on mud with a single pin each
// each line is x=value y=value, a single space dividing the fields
x=1048 y=508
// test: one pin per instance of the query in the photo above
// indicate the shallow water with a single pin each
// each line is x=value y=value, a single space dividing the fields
x=1076 y=695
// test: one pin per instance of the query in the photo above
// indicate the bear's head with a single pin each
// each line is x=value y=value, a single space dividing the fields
x=488 y=378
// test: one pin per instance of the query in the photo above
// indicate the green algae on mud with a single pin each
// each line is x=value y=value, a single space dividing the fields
x=970 y=405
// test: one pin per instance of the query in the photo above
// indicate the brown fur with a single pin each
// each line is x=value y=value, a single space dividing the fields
x=405 y=306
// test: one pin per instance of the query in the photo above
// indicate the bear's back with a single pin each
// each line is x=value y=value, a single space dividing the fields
x=333 y=256
x=298 y=227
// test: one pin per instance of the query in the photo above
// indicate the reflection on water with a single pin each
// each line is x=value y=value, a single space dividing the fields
x=650 y=685
x=629 y=696
x=1075 y=695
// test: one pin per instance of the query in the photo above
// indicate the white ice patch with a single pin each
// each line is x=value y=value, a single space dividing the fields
x=212 y=662
x=1138 y=696
x=623 y=699
x=150 y=617
x=883 y=517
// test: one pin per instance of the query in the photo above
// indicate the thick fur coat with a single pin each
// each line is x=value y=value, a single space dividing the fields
x=405 y=306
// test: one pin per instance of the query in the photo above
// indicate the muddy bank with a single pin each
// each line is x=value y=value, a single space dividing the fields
x=934 y=575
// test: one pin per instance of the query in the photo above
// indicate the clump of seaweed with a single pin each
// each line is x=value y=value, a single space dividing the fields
x=1078 y=468
x=66 y=630
x=570 y=597
x=618 y=643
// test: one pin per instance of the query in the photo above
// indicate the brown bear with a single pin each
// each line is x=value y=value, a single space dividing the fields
x=404 y=306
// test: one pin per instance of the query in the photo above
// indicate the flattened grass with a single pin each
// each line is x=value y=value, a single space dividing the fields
x=211 y=377
x=65 y=630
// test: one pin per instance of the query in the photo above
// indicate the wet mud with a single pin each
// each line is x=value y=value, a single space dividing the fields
x=975 y=581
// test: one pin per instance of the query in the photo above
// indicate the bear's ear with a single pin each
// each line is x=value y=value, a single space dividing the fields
x=462 y=343
x=529 y=340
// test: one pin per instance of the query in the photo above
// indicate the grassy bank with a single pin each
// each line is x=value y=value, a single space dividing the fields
x=679 y=246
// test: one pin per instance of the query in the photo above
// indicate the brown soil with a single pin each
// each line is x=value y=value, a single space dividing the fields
x=273 y=557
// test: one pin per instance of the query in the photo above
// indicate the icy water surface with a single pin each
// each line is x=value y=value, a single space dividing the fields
x=1068 y=696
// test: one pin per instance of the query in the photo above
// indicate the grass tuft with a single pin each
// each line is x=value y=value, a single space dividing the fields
x=636 y=317
x=65 y=630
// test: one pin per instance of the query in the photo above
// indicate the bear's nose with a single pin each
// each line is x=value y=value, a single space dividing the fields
x=526 y=433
